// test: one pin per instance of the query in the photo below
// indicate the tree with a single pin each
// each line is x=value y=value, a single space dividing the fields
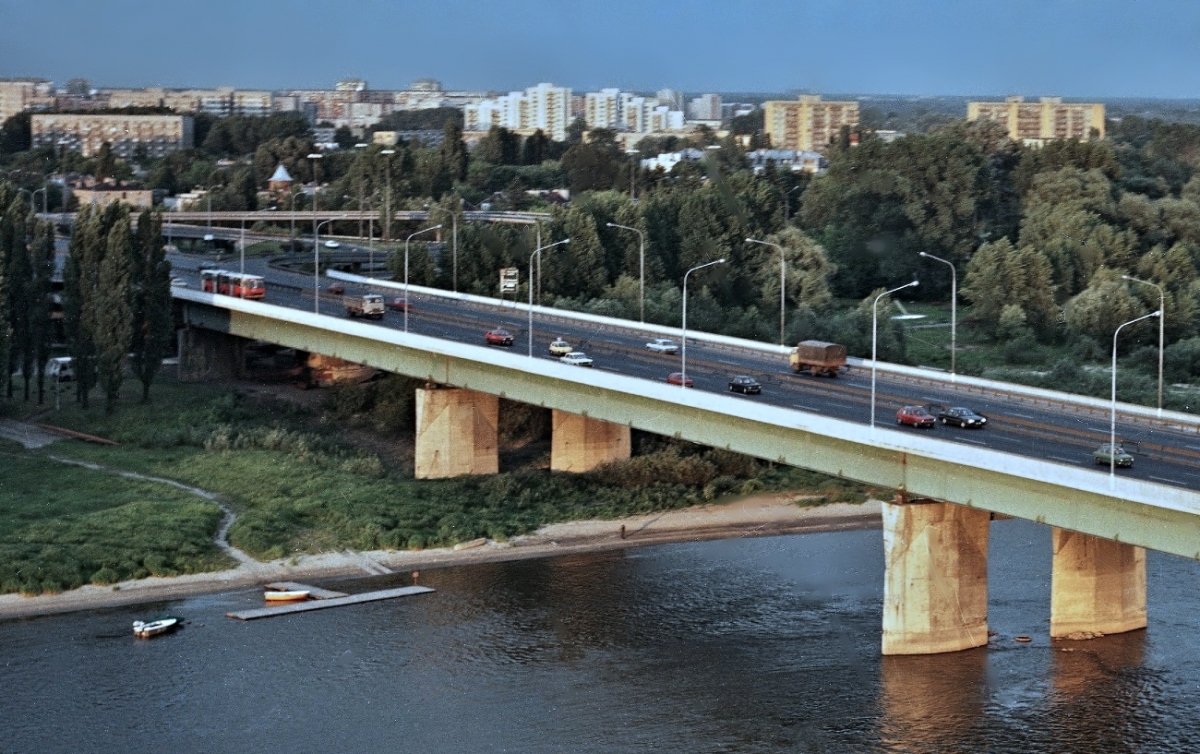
x=536 y=148
x=42 y=263
x=151 y=306
x=106 y=162
x=999 y=275
x=454 y=151
x=16 y=134
x=111 y=318
x=1103 y=306
x=14 y=253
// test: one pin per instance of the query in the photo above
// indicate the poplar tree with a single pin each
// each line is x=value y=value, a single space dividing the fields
x=19 y=276
x=151 y=329
x=111 y=320
x=42 y=328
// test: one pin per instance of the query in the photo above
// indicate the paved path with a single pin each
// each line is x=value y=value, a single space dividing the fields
x=28 y=435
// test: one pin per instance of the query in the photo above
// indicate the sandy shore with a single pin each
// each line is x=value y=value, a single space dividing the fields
x=751 y=517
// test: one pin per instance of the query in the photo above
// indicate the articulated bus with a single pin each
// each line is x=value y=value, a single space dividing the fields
x=235 y=284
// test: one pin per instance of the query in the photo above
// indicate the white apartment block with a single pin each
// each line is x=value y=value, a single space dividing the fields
x=544 y=107
x=19 y=95
x=602 y=109
x=222 y=101
x=705 y=107
x=85 y=133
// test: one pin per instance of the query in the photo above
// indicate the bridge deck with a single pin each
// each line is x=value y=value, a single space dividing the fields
x=321 y=604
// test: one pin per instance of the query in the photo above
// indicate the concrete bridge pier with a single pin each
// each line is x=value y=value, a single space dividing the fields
x=578 y=443
x=210 y=355
x=935 y=584
x=1097 y=586
x=456 y=433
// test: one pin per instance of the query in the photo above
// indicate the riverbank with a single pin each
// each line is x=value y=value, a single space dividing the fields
x=758 y=516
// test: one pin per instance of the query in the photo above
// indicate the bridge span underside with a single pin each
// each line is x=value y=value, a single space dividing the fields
x=936 y=557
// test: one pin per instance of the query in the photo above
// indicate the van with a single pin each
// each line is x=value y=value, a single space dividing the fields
x=60 y=369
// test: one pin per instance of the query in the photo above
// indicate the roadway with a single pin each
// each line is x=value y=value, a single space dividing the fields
x=1165 y=453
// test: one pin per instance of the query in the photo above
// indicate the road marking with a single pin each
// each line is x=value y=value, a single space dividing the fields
x=1169 y=481
x=730 y=363
x=1023 y=416
x=977 y=442
x=806 y=408
x=1064 y=460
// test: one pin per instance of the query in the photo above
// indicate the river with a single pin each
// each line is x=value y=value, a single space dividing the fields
x=740 y=645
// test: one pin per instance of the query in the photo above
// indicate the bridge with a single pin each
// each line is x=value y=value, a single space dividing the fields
x=946 y=490
x=275 y=216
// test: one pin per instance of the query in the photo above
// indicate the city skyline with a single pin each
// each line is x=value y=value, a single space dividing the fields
x=1069 y=48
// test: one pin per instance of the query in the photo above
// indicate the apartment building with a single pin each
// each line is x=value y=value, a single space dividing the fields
x=807 y=124
x=544 y=107
x=602 y=109
x=19 y=95
x=85 y=133
x=222 y=101
x=706 y=107
x=1038 y=122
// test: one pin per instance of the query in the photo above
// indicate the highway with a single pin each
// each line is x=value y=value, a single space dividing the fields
x=1165 y=453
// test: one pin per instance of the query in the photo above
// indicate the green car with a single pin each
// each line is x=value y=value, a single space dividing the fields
x=1107 y=455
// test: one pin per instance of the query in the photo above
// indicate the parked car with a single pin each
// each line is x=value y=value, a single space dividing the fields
x=1108 y=455
x=399 y=304
x=677 y=378
x=336 y=289
x=663 y=345
x=577 y=358
x=331 y=244
x=559 y=347
x=178 y=283
x=498 y=337
x=745 y=385
x=916 y=416
x=60 y=369
x=961 y=417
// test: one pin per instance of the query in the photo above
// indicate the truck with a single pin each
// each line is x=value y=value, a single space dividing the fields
x=367 y=305
x=818 y=357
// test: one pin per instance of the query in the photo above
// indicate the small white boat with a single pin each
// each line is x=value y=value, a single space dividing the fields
x=146 y=629
x=287 y=595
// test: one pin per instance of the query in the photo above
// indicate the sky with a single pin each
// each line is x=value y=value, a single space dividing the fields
x=1069 y=48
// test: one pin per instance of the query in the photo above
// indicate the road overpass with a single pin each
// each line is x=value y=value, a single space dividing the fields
x=935 y=530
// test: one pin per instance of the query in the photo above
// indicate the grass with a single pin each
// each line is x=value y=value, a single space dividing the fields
x=63 y=526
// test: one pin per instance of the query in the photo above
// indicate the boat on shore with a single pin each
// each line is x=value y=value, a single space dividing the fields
x=286 y=595
x=147 y=629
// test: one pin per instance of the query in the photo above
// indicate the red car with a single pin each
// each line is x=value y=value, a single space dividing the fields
x=677 y=378
x=336 y=289
x=399 y=304
x=499 y=338
x=916 y=416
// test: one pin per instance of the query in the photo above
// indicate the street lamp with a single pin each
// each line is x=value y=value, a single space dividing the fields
x=317 y=262
x=782 y=288
x=874 y=338
x=410 y=237
x=786 y=209
x=313 y=157
x=683 y=332
x=1162 y=308
x=208 y=198
x=387 y=226
x=44 y=200
x=537 y=253
x=1112 y=430
x=953 y=308
x=641 y=267
x=454 y=235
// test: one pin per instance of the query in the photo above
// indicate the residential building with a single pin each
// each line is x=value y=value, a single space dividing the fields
x=602 y=109
x=85 y=133
x=19 y=95
x=222 y=101
x=808 y=124
x=668 y=160
x=544 y=107
x=672 y=98
x=786 y=159
x=107 y=195
x=706 y=107
x=1048 y=118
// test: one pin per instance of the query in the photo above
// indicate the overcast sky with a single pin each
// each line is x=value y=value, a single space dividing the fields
x=1071 y=48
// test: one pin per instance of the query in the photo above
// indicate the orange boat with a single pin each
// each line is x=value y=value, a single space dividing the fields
x=290 y=595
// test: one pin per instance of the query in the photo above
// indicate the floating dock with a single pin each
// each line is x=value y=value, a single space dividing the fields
x=321 y=604
x=314 y=592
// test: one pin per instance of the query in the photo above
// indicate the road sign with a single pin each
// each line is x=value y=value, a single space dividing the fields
x=509 y=276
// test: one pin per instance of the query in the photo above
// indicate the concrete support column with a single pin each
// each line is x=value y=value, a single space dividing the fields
x=210 y=355
x=1097 y=586
x=456 y=433
x=935 y=584
x=578 y=443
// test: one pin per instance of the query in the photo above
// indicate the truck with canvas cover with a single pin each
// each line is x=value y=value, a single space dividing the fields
x=366 y=305
x=818 y=357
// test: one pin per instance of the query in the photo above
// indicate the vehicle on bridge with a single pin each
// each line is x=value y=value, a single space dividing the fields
x=498 y=337
x=559 y=347
x=663 y=345
x=1112 y=455
x=236 y=284
x=368 y=305
x=960 y=416
x=745 y=384
x=336 y=289
x=577 y=358
x=331 y=244
x=399 y=304
x=916 y=416
x=677 y=378
x=818 y=357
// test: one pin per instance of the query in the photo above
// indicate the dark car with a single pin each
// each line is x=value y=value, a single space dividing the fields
x=916 y=416
x=961 y=417
x=399 y=304
x=745 y=385
x=498 y=337
x=336 y=289
x=677 y=378
x=1112 y=455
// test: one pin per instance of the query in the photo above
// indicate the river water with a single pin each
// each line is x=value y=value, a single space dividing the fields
x=741 y=645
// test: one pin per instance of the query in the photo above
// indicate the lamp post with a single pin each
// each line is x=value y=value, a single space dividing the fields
x=782 y=287
x=537 y=253
x=1112 y=428
x=953 y=309
x=242 y=250
x=317 y=262
x=1162 y=308
x=208 y=198
x=786 y=209
x=313 y=157
x=874 y=338
x=454 y=236
x=293 y=210
x=44 y=200
x=387 y=213
x=641 y=268
x=410 y=237
x=683 y=332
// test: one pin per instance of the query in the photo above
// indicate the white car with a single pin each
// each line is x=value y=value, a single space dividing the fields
x=331 y=244
x=578 y=358
x=559 y=347
x=178 y=283
x=663 y=345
